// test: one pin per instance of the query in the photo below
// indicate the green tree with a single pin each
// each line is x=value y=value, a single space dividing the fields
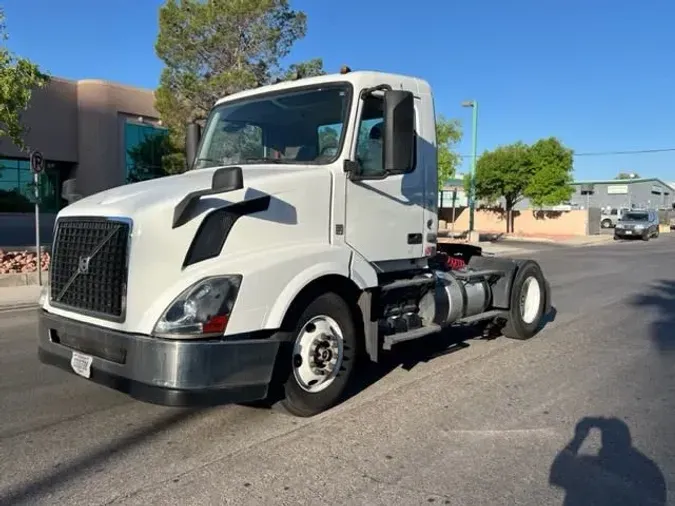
x=541 y=172
x=18 y=79
x=504 y=173
x=627 y=175
x=553 y=164
x=448 y=134
x=213 y=48
x=309 y=68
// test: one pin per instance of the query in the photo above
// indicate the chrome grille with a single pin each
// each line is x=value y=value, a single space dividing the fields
x=88 y=268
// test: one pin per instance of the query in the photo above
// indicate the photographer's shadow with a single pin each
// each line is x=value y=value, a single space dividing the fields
x=618 y=475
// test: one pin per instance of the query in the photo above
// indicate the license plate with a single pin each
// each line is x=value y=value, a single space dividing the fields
x=81 y=364
x=628 y=232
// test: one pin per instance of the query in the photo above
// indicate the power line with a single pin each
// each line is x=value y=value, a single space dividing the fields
x=613 y=153
x=635 y=152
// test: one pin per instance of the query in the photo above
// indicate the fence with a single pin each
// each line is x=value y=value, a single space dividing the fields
x=527 y=222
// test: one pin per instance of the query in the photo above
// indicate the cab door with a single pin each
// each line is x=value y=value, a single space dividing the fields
x=384 y=213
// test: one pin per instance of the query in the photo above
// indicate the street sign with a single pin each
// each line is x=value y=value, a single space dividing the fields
x=37 y=162
x=37 y=165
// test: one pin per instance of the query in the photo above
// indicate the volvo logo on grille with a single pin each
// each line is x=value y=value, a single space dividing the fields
x=83 y=265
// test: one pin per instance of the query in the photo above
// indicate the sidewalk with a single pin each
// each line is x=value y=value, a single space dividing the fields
x=494 y=240
x=564 y=241
x=19 y=297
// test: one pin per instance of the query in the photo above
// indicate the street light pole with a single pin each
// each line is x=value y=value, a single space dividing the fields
x=474 y=154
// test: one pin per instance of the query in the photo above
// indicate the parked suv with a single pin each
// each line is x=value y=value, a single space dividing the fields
x=610 y=217
x=637 y=223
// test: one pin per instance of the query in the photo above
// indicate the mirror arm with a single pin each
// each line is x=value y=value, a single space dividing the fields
x=369 y=91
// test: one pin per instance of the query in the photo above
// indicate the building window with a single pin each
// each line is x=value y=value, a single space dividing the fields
x=16 y=186
x=17 y=189
x=144 y=147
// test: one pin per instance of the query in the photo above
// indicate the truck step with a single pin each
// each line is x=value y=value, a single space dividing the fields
x=468 y=274
x=393 y=339
x=406 y=283
x=488 y=315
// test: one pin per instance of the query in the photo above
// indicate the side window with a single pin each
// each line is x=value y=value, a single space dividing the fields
x=369 y=147
x=613 y=212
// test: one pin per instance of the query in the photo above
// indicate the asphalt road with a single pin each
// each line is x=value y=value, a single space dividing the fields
x=484 y=425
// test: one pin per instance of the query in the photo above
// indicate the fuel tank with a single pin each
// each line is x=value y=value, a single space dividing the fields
x=452 y=299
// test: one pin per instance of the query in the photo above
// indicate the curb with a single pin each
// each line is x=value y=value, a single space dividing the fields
x=18 y=307
x=22 y=279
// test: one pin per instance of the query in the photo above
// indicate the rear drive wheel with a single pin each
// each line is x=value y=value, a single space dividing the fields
x=323 y=356
x=528 y=302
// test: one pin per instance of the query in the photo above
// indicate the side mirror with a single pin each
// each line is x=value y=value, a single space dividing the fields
x=192 y=137
x=399 y=131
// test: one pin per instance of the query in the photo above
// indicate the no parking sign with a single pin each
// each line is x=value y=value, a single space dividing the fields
x=37 y=165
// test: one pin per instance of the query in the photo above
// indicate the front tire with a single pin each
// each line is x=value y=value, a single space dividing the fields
x=323 y=355
x=606 y=223
x=528 y=302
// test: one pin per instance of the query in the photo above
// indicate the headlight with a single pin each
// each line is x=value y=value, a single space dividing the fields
x=202 y=310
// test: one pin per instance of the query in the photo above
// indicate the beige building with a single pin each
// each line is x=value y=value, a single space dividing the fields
x=93 y=134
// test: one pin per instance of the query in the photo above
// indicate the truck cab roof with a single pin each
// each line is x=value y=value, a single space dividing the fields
x=356 y=78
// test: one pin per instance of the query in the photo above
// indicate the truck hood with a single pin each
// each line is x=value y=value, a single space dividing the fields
x=297 y=214
x=131 y=199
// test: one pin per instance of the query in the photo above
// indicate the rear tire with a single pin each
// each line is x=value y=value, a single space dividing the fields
x=528 y=303
x=323 y=352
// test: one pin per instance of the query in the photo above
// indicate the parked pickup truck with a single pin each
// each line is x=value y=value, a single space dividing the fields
x=302 y=241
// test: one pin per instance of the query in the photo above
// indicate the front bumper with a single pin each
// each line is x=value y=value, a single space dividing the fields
x=162 y=371
x=628 y=233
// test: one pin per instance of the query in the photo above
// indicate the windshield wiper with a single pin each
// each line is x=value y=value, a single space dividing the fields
x=263 y=159
x=213 y=162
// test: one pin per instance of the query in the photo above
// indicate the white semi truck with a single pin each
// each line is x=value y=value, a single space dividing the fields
x=302 y=241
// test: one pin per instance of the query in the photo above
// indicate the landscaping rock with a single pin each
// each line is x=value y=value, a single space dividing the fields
x=22 y=262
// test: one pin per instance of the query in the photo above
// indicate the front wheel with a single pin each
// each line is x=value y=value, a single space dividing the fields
x=324 y=351
x=528 y=302
x=606 y=223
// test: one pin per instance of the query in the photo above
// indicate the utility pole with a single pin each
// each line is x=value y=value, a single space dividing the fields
x=473 y=104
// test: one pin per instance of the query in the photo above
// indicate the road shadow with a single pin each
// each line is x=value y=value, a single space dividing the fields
x=618 y=475
x=405 y=355
x=37 y=490
x=408 y=354
x=661 y=296
x=491 y=237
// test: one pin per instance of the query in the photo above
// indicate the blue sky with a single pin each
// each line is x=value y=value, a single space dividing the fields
x=598 y=74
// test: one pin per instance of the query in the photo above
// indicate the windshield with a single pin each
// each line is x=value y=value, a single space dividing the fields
x=635 y=217
x=291 y=127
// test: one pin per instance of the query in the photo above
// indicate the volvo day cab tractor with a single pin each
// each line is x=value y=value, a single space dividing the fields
x=301 y=243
